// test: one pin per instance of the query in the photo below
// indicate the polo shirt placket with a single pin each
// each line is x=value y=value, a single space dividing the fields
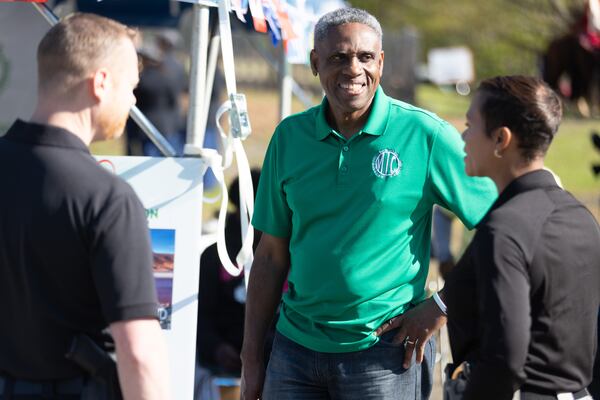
x=345 y=149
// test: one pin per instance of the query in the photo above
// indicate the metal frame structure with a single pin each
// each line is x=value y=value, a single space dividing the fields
x=204 y=60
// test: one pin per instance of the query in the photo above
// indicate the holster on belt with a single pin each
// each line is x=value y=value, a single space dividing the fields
x=456 y=380
x=99 y=366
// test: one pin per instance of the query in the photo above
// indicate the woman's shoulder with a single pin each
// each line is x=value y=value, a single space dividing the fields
x=521 y=210
x=519 y=222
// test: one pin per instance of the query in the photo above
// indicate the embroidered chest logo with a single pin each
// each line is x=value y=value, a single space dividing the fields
x=108 y=165
x=386 y=163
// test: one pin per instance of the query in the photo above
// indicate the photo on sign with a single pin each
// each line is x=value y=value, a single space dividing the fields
x=163 y=251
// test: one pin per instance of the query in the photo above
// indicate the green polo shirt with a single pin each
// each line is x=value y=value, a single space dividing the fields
x=357 y=213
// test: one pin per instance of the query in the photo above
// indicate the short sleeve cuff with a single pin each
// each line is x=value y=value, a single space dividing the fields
x=139 y=311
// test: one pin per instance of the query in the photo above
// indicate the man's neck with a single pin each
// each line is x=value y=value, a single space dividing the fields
x=78 y=123
x=348 y=124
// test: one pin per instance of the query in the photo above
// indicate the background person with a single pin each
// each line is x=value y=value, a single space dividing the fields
x=344 y=204
x=158 y=96
x=221 y=306
x=440 y=240
x=523 y=299
x=594 y=386
x=75 y=253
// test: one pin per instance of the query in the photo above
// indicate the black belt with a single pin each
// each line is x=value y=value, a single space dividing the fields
x=541 y=395
x=9 y=386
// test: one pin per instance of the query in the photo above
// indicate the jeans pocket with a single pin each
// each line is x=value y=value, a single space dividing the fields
x=387 y=339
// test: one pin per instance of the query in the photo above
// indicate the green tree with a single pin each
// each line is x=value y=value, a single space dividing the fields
x=506 y=36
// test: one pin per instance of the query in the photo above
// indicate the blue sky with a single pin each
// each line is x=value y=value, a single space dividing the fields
x=163 y=240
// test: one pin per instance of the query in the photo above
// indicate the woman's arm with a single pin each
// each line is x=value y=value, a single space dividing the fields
x=504 y=317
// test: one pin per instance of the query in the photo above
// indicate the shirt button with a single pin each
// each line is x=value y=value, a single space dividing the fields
x=345 y=148
x=344 y=169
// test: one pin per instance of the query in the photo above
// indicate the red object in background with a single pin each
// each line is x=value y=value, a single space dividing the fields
x=258 y=17
x=589 y=38
x=284 y=21
x=565 y=88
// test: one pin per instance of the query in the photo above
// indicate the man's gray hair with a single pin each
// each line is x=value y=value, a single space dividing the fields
x=345 y=16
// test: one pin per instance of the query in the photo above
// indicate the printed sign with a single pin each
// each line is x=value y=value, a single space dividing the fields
x=171 y=191
x=163 y=254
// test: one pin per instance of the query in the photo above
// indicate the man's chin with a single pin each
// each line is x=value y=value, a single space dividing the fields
x=108 y=135
x=118 y=133
x=357 y=102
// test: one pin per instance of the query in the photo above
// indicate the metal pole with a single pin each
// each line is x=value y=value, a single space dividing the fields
x=196 y=124
x=213 y=58
x=135 y=114
x=46 y=13
x=153 y=134
x=285 y=85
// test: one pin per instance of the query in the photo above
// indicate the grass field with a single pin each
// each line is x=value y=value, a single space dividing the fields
x=570 y=156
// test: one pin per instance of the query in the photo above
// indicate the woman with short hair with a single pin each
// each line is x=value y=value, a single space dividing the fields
x=523 y=300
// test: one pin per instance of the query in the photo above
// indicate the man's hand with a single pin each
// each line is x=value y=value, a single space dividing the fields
x=416 y=327
x=253 y=378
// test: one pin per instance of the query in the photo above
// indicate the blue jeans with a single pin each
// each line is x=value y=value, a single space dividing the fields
x=295 y=372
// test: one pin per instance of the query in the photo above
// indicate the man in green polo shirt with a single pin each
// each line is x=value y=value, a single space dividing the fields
x=345 y=206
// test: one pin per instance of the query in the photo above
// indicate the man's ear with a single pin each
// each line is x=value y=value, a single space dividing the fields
x=99 y=83
x=381 y=57
x=314 y=58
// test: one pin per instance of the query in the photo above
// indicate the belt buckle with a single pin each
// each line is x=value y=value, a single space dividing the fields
x=565 y=396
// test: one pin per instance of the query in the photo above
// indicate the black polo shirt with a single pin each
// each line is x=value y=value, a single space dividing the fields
x=523 y=300
x=75 y=251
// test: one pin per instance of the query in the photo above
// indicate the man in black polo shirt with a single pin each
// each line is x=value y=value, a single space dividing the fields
x=75 y=251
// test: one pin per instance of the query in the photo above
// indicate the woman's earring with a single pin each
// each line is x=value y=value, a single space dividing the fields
x=497 y=154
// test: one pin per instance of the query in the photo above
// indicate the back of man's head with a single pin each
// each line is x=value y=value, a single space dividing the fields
x=74 y=48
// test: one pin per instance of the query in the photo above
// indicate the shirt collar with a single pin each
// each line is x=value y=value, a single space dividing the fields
x=375 y=125
x=530 y=181
x=46 y=135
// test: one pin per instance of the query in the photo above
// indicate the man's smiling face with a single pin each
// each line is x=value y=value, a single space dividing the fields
x=349 y=63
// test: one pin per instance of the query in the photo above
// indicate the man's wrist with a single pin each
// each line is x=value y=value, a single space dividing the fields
x=256 y=355
x=440 y=303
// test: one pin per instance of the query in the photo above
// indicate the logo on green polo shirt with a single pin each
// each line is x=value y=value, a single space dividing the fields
x=386 y=163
